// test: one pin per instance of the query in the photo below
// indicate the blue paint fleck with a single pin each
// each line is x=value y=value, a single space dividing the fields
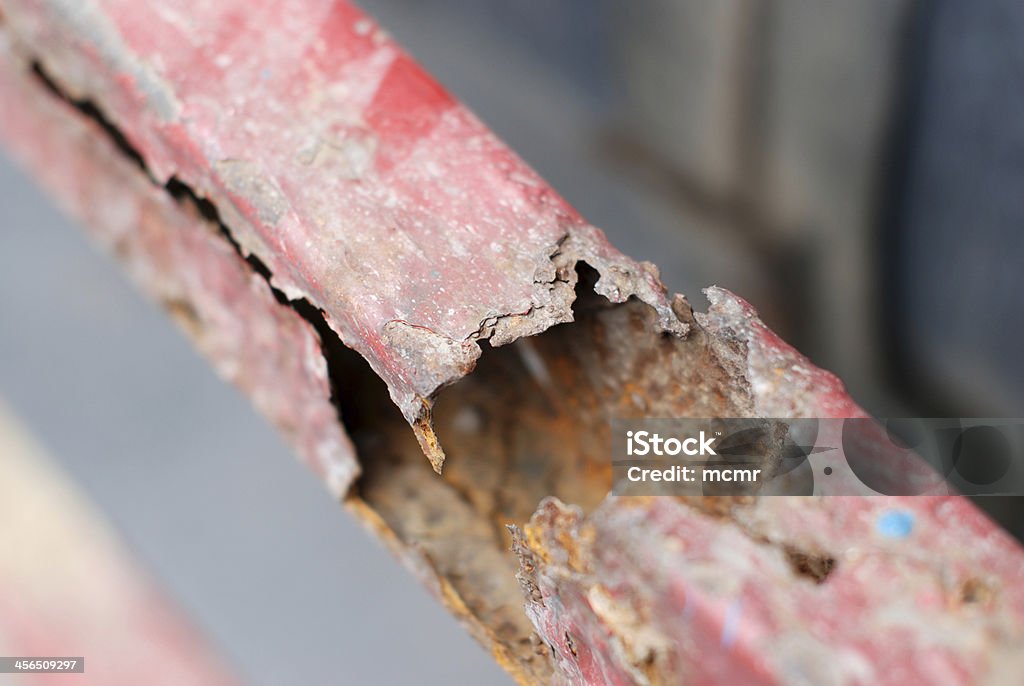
x=688 y=608
x=731 y=624
x=895 y=524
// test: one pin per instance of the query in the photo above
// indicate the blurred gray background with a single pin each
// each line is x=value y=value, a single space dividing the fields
x=855 y=170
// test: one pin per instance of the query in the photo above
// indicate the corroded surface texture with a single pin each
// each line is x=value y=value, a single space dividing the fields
x=361 y=184
x=177 y=256
x=822 y=590
x=292 y=186
x=656 y=591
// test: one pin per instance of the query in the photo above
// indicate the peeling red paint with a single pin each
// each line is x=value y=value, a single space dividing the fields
x=363 y=188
